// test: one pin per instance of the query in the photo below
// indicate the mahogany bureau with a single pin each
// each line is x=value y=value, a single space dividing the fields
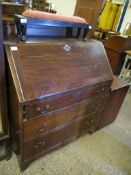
x=57 y=92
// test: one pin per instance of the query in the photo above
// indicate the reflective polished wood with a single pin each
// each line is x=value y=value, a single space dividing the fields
x=55 y=94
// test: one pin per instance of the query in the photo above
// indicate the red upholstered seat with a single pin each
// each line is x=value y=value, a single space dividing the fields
x=51 y=16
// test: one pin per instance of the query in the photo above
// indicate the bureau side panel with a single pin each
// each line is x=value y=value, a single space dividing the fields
x=113 y=106
x=15 y=117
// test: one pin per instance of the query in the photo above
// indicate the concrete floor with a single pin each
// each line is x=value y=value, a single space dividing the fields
x=106 y=152
x=121 y=128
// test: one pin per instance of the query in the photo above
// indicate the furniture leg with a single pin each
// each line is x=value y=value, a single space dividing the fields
x=78 y=32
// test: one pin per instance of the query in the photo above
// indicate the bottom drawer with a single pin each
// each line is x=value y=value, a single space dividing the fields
x=46 y=143
x=42 y=145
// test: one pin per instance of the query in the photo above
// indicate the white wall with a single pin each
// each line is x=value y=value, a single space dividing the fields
x=127 y=19
x=64 y=7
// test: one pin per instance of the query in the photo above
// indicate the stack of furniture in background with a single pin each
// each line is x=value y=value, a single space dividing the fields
x=39 y=5
x=9 y=9
x=115 y=48
x=126 y=68
x=110 y=17
x=109 y=20
x=42 y=5
x=127 y=31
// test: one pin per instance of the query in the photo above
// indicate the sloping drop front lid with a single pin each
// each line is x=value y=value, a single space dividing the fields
x=50 y=68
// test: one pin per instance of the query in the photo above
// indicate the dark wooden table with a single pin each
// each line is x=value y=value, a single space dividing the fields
x=115 y=48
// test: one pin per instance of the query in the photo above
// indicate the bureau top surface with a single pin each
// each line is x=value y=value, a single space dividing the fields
x=42 y=70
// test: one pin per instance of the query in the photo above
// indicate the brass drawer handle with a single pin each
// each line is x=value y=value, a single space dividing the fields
x=42 y=128
x=36 y=146
x=41 y=111
x=95 y=107
x=100 y=90
x=38 y=109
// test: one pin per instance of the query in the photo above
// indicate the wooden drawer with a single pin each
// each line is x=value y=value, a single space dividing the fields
x=66 y=99
x=41 y=125
x=50 y=141
x=85 y=124
x=44 y=144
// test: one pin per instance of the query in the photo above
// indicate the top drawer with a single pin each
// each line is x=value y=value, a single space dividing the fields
x=65 y=99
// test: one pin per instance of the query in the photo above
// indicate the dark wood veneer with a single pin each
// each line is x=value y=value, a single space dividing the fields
x=59 y=95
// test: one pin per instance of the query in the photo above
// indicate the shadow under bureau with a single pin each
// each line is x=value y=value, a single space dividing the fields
x=57 y=92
